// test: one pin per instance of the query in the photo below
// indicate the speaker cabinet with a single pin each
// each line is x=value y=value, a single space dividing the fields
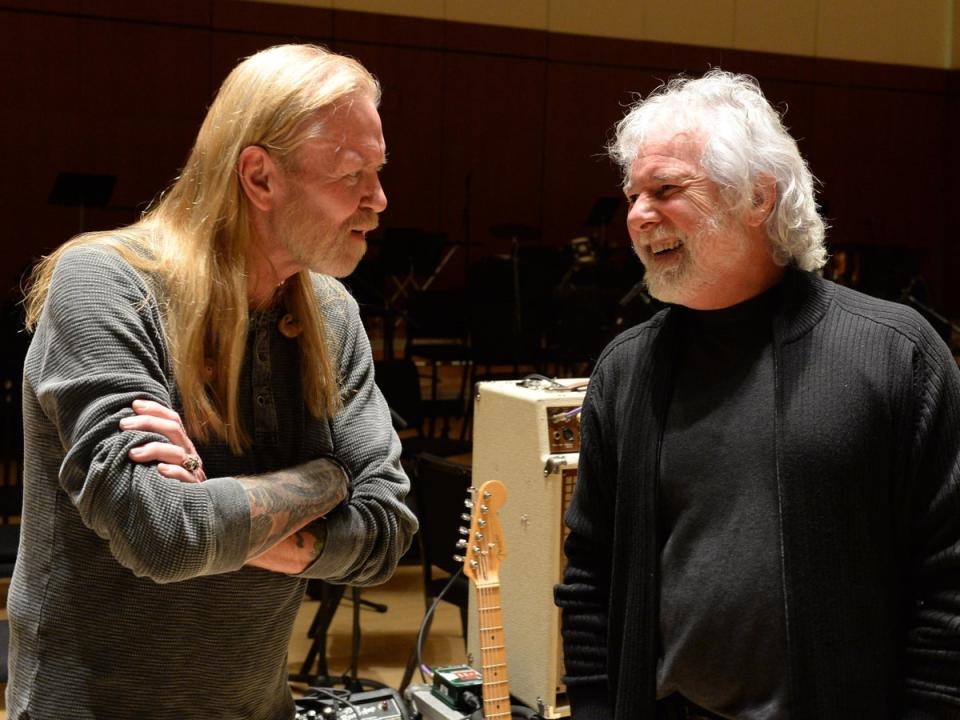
x=528 y=437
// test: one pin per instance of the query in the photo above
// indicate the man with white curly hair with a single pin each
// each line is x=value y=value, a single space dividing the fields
x=766 y=522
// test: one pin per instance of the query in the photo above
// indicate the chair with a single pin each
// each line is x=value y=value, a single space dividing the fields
x=439 y=488
x=437 y=329
x=399 y=381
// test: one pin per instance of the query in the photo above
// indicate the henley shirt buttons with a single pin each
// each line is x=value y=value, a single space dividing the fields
x=261 y=400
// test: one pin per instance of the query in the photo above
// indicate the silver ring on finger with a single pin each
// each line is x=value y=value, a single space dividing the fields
x=192 y=463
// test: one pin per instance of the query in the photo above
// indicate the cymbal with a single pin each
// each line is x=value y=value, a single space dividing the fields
x=514 y=231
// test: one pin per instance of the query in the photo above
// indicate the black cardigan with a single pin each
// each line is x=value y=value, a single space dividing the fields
x=868 y=476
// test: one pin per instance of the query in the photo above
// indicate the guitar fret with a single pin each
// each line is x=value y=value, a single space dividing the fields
x=483 y=572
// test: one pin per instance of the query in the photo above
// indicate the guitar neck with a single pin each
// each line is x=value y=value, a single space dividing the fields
x=493 y=653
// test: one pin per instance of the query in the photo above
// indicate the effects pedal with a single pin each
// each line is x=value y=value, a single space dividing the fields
x=428 y=706
x=385 y=704
x=459 y=686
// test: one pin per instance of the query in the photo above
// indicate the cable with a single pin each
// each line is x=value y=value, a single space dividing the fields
x=425 y=669
x=536 y=379
x=339 y=697
x=566 y=415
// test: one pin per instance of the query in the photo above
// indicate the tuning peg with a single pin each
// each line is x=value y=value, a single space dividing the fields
x=484 y=509
x=481 y=522
x=458 y=558
x=468 y=504
x=487 y=495
x=472 y=489
x=474 y=564
x=479 y=536
x=465 y=517
x=464 y=531
x=462 y=543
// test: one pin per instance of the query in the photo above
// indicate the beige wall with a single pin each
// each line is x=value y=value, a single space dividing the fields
x=955 y=21
x=906 y=32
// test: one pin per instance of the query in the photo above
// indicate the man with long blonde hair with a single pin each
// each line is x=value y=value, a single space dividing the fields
x=203 y=433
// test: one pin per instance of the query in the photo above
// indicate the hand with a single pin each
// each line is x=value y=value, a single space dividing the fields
x=172 y=458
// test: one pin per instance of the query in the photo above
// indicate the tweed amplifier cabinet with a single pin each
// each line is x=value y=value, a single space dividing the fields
x=527 y=435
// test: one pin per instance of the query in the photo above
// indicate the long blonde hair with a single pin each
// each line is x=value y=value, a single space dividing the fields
x=197 y=236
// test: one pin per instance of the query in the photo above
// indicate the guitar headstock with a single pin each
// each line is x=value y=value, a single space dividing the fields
x=484 y=544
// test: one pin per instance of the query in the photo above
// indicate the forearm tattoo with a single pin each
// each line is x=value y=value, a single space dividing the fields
x=284 y=501
x=310 y=541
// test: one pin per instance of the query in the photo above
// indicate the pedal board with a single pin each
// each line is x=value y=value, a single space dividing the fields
x=385 y=704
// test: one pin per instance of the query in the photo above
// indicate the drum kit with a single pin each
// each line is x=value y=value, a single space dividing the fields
x=537 y=295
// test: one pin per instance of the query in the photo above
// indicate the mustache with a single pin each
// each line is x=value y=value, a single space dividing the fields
x=663 y=231
x=365 y=220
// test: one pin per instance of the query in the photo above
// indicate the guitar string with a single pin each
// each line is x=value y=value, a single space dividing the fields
x=486 y=593
x=488 y=655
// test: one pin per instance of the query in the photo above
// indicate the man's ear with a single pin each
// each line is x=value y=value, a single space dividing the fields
x=259 y=177
x=764 y=198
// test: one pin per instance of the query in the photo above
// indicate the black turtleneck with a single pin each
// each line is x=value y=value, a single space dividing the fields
x=722 y=624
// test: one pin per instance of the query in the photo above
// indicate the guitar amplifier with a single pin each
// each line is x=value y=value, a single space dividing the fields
x=528 y=437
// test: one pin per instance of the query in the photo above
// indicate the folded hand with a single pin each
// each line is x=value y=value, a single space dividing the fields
x=177 y=459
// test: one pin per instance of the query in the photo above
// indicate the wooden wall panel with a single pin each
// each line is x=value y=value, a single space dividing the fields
x=882 y=179
x=515 y=42
x=493 y=123
x=388 y=30
x=139 y=118
x=583 y=104
x=176 y=12
x=950 y=280
x=52 y=6
x=484 y=125
x=412 y=115
x=661 y=58
x=286 y=21
x=39 y=94
x=880 y=154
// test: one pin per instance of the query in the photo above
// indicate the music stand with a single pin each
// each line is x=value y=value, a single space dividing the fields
x=515 y=233
x=409 y=253
x=317 y=653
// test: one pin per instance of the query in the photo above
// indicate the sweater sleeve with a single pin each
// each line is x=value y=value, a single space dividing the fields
x=932 y=683
x=97 y=348
x=583 y=596
x=368 y=534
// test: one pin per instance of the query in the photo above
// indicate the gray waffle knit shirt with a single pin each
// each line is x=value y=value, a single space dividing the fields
x=130 y=597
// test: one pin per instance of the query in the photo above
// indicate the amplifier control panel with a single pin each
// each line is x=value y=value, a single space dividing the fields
x=563 y=429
